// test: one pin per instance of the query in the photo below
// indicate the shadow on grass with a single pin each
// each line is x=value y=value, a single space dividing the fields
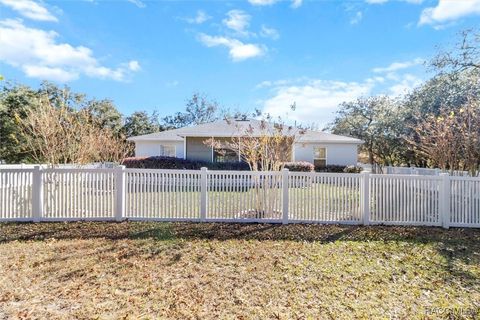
x=233 y=231
x=455 y=245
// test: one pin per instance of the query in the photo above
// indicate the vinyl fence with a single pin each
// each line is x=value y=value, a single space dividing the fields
x=40 y=194
x=412 y=171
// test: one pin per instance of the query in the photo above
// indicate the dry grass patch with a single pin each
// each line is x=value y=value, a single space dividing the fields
x=203 y=271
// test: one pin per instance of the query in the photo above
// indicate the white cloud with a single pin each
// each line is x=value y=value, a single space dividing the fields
x=406 y=83
x=269 y=32
x=356 y=18
x=38 y=54
x=316 y=100
x=138 y=3
x=134 y=65
x=395 y=66
x=384 y=1
x=30 y=9
x=200 y=18
x=296 y=3
x=262 y=2
x=238 y=50
x=447 y=11
x=50 y=73
x=237 y=20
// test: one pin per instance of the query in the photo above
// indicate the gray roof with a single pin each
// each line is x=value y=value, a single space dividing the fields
x=223 y=128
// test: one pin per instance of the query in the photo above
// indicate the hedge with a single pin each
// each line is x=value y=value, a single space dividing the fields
x=338 y=169
x=178 y=163
x=300 y=166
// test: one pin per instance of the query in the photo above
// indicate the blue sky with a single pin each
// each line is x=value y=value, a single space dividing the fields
x=266 y=54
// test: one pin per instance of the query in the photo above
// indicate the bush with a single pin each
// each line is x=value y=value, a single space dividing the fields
x=159 y=163
x=338 y=169
x=178 y=163
x=299 y=166
x=330 y=168
x=231 y=166
x=353 y=169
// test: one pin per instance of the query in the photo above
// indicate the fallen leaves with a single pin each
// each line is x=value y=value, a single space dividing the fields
x=188 y=270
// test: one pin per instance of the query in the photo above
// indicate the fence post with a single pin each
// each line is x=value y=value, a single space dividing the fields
x=445 y=200
x=203 y=194
x=120 y=193
x=37 y=194
x=285 y=174
x=365 y=197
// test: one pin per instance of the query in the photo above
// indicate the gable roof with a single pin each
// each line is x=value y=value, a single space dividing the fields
x=223 y=128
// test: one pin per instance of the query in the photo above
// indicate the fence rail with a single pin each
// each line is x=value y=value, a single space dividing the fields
x=240 y=196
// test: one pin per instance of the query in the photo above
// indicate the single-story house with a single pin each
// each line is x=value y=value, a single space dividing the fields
x=317 y=147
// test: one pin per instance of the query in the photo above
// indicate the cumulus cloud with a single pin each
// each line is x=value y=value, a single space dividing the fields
x=200 y=18
x=238 y=50
x=448 y=11
x=237 y=20
x=316 y=100
x=30 y=9
x=39 y=55
x=50 y=73
x=134 y=65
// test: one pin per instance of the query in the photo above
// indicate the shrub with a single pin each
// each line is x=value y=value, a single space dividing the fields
x=338 y=169
x=299 y=166
x=353 y=169
x=159 y=162
x=232 y=166
x=330 y=168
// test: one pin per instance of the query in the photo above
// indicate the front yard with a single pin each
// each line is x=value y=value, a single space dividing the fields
x=201 y=271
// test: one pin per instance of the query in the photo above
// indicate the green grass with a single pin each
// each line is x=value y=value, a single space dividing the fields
x=242 y=271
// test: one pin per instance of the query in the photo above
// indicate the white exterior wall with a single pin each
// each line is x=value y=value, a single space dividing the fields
x=337 y=154
x=152 y=148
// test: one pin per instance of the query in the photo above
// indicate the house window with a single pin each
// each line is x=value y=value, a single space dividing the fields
x=224 y=155
x=319 y=156
x=167 y=151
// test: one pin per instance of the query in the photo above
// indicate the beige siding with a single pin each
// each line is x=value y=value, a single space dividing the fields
x=152 y=148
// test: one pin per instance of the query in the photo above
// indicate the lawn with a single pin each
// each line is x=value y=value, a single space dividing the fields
x=241 y=271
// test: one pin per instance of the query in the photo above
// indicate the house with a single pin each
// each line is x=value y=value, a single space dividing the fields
x=317 y=147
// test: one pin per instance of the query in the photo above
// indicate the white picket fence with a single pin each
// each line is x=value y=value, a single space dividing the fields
x=412 y=170
x=40 y=194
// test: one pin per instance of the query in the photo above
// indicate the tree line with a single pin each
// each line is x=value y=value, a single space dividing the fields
x=435 y=125
x=54 y=124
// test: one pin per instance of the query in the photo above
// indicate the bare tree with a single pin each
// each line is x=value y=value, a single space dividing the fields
x=265 y=145
x=61 y=135
x=450 y=140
